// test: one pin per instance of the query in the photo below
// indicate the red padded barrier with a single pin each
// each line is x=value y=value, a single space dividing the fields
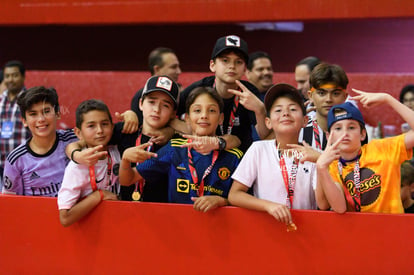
x=117 y=89
x=143 y=238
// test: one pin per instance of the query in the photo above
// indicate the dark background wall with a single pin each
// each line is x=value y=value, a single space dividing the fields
x=374 y=45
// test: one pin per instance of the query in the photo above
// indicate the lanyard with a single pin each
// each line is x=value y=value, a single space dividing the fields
x=316 y=135
x=200 y=191
x=108 y=172
x=140 y=184
x=352 y=193
x=290 y=180
x=232 y=114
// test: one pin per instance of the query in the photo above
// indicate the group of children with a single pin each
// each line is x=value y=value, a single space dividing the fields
x=300 y=167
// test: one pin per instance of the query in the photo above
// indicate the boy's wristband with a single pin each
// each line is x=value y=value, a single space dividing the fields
x=101 y=194
x=71 y=154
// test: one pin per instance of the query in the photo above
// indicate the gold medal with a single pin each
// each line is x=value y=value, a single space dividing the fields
x=136 y=196
x=291 y=227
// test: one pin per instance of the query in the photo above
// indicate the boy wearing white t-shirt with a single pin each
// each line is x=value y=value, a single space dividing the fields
x=279 y=180
x=84 y=187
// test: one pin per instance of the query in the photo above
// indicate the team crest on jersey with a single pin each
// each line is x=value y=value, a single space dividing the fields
x=115 y=170
x=183 y=186
x=370 y=185
x=223 y=173
x=7 y=183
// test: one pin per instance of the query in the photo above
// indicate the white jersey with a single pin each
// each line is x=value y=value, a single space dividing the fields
x=260 y=168
x=77 y=184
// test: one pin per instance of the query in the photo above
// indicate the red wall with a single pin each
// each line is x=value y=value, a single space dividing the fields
x=142 y=238
x=117 y=89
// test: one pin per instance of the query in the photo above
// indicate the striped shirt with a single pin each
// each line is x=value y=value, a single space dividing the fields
x=308 y=134
x=10 y=113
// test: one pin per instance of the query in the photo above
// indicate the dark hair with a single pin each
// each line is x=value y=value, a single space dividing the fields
x=311 y=62
x=90 y=105
x=407 y=173
x=328 y=73
x=36 y=95
x=254 y=56
x=236 y=51
x=203 y=90
x=16 y=63
x=407 y=89
x=155 y=58
x=287 y=94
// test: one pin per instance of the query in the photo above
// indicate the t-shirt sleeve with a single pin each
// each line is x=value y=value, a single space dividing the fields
x=13 y=181
x=71 y=189
x=246 y=171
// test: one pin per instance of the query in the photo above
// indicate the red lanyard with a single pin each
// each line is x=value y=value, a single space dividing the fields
x=232 y=113
x=232 y=116
x=200 y=191
x=140 y=184
x=290 y=180
x=352 y=192
x=108 y=172
x=316 y=135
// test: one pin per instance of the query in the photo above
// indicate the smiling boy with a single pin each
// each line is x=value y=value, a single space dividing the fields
x=36 y=167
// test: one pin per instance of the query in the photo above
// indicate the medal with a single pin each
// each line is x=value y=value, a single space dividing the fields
x=136 y=196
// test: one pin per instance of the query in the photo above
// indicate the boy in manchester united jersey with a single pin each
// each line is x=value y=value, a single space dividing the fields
x=193 y=177
x=354 y=175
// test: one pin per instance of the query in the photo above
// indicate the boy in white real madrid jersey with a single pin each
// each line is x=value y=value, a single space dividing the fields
x=279 y=179
x=36 y=167
x=202 y=178
x=84 y=187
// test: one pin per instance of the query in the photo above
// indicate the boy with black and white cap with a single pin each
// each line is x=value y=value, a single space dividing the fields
x=242 y=106
x=354 y=175
x=274 y=170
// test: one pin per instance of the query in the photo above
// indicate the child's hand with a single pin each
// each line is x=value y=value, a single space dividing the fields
x=203 y=145
x=90 y=156
x=370 y=99
x=306 y=152
x=249 y=100
x=109 y=196
x=162 y=136
x=130 y=120
x=331 y=152
x=207 y=203
x=138 y=153
x=280 y=212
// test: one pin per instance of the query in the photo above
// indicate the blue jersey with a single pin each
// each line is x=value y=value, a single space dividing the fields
x=30 y=174
x=173 y=161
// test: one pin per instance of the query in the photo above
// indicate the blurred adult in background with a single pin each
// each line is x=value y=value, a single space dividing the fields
x=260 y=72
x=303 y=70
x=407 y=98
x=13 y=132
x=161 y=62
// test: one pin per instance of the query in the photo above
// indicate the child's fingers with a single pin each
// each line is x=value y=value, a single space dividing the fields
x=96 y=148
x=234 y=92
x=358 y=91
x=144 y=146
x=242 y=87
x=336 y=143
x=189 y=136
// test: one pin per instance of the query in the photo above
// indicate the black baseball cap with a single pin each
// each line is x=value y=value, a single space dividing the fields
x=162 y=84
x=231 y=42
x=279 y=90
